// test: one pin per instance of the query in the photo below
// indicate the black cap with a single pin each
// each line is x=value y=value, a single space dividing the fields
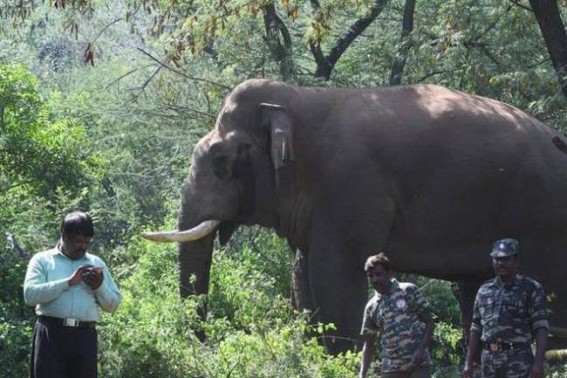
x=505 y=248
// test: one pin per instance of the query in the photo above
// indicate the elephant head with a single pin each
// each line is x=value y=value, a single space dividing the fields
x=233 y=179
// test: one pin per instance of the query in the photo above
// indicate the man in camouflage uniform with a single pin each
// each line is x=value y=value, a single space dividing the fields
x=509 y=312
x=402 y=316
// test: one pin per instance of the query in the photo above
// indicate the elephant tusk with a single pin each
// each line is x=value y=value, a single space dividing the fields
x=195 y=233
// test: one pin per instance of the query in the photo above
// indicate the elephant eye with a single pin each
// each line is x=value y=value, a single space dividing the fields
x=220 y=160
x=221 y=167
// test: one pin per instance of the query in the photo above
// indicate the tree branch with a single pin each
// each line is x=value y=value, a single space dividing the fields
x=193 y=78
x=325 y=64
x=281 y=50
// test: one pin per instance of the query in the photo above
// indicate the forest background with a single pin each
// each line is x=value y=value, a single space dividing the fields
x=101 y=103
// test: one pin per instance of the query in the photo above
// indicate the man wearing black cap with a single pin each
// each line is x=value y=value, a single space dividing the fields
x=509 y=313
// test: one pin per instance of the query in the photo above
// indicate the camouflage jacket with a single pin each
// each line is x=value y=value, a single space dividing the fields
x=396 y=317
x=510 y=312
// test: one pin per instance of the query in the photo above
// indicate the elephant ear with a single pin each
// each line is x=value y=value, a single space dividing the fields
x=281 y=134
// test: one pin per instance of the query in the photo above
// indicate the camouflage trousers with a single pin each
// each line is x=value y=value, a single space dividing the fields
x=507 y=364
x=419 y=372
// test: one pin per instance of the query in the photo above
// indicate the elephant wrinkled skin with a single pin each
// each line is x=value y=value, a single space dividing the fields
x=430 y=175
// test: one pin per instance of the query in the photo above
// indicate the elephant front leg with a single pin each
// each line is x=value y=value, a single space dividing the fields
x=300 y=283
x=465 y=293
x=339 y=292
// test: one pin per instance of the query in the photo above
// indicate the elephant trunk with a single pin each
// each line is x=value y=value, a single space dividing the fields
x=194 y=260
x=194 y=266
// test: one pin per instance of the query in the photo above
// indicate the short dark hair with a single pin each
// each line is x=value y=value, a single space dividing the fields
x=77 y=223
x=378 y=259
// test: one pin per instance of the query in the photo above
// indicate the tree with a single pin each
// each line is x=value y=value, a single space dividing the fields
x=326 y=63
x=36 y=151
x=405 y=43
x=548 y=17
x=47 y=164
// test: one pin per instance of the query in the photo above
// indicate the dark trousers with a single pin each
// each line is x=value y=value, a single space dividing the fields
x=63 y=352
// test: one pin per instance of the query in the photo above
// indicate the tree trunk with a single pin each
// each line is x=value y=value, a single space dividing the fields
x=405 y=44
x=548 y=17
x=278 y=40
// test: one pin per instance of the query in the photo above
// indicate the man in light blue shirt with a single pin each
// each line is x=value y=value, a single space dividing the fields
x=67 y=286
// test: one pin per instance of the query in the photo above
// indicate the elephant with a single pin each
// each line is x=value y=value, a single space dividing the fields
x=429 y=175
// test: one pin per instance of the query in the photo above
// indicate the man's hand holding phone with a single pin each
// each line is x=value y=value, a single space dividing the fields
x=92 y=276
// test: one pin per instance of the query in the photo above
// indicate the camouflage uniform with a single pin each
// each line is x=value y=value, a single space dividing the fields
x=506 y=317
x=396 y=318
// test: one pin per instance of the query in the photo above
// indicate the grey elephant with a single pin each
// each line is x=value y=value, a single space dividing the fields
x=429 y=175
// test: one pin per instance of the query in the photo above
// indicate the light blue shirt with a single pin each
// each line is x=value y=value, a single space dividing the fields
x=46 y=287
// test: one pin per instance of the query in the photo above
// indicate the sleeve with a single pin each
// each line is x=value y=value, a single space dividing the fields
x=476 y=326
x=107 y=295
x=537 y=309
x=420 y=303
x=369 y=327
x=36 y=288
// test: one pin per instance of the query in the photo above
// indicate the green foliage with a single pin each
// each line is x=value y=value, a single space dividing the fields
x=250 y=283
x=448 y=347
x=15 y=316
x=15 y=342
x=153 y=332
x=116 y=138
x=281 y=352
x=442 y=299
x=35 y=151
x=47 y=163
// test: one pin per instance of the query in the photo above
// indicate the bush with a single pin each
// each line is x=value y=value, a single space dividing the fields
x=251 y=329
x=16 y=318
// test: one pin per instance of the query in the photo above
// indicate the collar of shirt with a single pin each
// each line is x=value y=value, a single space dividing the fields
x=509 y=284
x=394 y=285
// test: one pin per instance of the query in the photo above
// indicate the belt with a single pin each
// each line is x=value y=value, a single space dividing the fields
x=500 y=345
x=66 y=322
